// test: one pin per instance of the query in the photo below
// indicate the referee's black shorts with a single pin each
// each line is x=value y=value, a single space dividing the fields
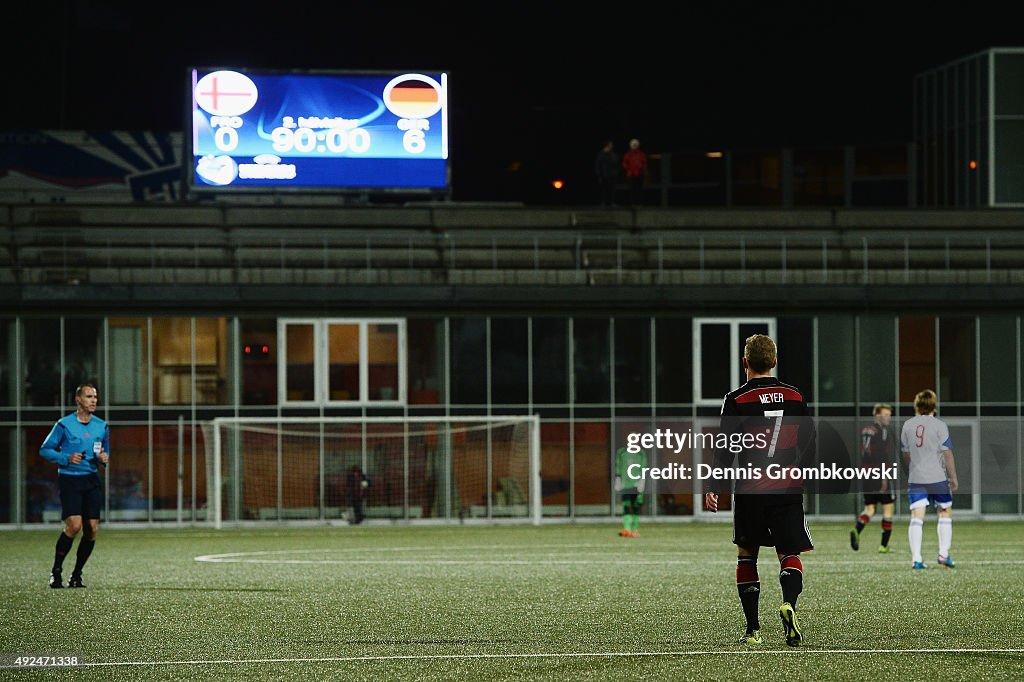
x=80 y=496
x=771 y=520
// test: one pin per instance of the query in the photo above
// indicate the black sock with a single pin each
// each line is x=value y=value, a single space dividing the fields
x=791 y=578
x=63 y=547
x=749 y=588
x=862 y=521
x=84 y=550
x=886 y=531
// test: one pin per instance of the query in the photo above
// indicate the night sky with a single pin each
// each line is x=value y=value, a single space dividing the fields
x=533 y=86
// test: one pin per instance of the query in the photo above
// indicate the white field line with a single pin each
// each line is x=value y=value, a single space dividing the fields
x=598 y=654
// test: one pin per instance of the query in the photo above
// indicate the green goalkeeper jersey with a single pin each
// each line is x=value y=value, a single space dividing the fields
x=623 y=460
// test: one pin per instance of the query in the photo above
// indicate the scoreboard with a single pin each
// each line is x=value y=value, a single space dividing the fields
x=274 y=130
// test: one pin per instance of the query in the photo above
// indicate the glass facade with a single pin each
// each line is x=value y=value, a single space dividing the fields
x=589 y=378
x=969 y=131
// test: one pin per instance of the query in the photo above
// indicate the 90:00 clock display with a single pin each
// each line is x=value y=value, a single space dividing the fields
x=338 y=140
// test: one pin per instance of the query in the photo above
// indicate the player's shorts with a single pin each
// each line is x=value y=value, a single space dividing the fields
x=631 y=498
x=879 y=498
x=923 y=494
x=771 y=521
x=80 y=496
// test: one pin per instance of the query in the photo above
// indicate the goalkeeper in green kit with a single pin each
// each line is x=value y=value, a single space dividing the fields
x=631 y=489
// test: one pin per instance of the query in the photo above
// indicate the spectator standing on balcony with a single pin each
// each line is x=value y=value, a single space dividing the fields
x=634 y=162
x=606 y=167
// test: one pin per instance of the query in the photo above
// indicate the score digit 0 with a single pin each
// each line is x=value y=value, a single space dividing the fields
x=226 y=135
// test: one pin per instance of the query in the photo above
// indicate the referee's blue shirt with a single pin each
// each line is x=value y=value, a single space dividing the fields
x=69 y=436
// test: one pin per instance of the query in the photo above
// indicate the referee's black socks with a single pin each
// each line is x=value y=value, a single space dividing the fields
x=84 y=550
x=63 y=547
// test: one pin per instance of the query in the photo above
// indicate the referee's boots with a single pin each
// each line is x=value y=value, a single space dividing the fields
x=55 y=580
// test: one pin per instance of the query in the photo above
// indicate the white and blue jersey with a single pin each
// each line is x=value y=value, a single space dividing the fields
x=926 y=438
x=69 y=436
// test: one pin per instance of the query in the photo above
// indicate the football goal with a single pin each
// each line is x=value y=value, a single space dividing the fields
x=429 y=468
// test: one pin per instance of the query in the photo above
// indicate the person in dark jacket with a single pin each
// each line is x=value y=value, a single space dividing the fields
x=358 y=487
x=606 y=167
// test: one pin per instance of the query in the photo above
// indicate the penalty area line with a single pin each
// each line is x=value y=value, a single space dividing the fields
x=581 y=654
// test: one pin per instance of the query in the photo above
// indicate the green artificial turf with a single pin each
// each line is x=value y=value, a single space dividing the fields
x=474 y=602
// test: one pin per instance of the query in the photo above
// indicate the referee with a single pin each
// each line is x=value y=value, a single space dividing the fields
x=78 y=444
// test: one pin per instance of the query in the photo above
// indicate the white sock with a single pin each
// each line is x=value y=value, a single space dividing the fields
x=945 y=536
x=914 y=534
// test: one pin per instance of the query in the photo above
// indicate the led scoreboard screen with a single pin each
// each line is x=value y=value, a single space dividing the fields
x=322 y=130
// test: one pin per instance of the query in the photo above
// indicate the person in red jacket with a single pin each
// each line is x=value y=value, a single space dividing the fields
x=634 y=162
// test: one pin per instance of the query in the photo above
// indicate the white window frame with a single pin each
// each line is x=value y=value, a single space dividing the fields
x=321 y=362
x=735 y=351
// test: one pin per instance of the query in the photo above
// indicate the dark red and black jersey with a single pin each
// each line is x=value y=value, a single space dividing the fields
x=876 y=446
x=766 y=422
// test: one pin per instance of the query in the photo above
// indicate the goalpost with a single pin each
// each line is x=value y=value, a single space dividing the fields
x=437 y=468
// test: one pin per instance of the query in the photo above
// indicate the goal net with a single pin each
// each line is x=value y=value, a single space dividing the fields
x=443 y=468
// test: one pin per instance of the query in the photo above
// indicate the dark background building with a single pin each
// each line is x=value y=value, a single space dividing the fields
x=863 y=242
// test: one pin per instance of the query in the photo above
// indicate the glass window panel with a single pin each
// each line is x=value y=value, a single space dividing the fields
x=383 y=351
x=877 y=357
x=8 y=484
x=796 y=354
x=41 y=497
x=591 y=360
x=1009 y=74
x=592 y=470
x=300 y=384
x=716 y=365
x=172 y=361
x=554 y=468
x=550 y=361
x=211 y=361
x=673 y=350
x=194 y=484
x=882 y=161
x=468 y=355
x=165 y=470
x=917 y=357
x=343 y=361
x=1009 y=162
x=8 y=361
x=259 y=361
x=957 y=375
x=425 y=467
x=128 y=473
x=818 y=177
x=426 y=362
x=510 y=368
x=836 y=370
x=999 y=350
x=632 y=360
x=129 y=358
x=83 y=356
x=42 y=362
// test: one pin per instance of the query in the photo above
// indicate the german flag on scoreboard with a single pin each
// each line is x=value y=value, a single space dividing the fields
x=414 y=99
